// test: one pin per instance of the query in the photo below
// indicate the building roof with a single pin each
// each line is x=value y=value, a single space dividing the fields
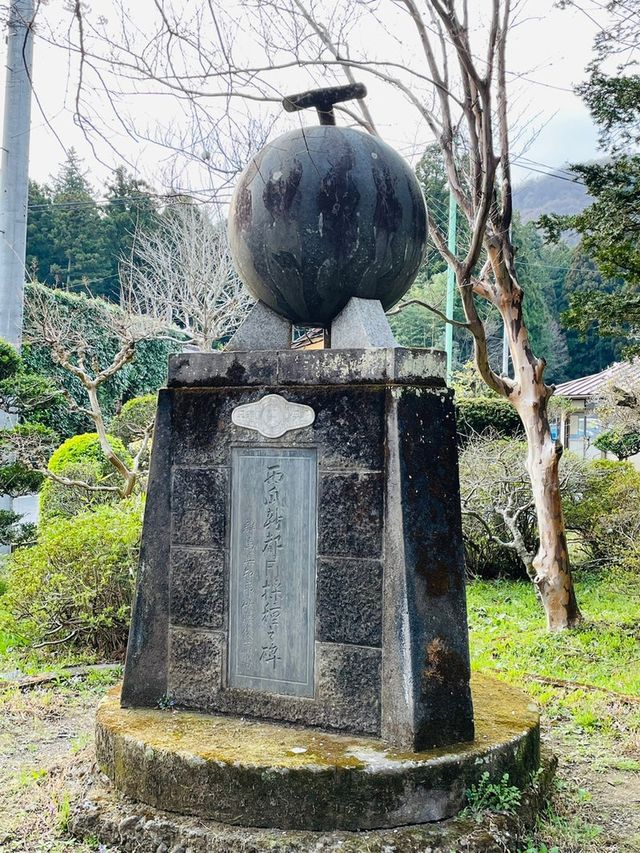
x=588 y=386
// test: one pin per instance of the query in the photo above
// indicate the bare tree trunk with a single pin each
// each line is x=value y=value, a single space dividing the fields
x=551 y=564
x=530 y=395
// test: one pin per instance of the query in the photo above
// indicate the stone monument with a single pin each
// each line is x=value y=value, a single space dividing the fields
x=298 y=655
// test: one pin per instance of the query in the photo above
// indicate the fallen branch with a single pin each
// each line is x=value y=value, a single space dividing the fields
x=31 y=681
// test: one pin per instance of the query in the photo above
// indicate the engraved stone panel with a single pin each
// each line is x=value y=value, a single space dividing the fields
x=273 y=416
x=272 y=578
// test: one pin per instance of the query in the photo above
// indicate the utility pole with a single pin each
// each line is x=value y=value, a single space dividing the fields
x=14 y=174
x=14 y=195
x=505 y=351
x=451 y=284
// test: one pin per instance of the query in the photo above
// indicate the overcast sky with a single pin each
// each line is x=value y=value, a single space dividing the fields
x=549 y=47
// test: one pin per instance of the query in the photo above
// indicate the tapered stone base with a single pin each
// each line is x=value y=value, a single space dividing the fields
x=253 y=773
x=365 y=629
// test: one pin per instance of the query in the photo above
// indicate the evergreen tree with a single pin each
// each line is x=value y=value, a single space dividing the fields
x=74 y=244
x=40 y=222
x=610 y=227
x=78 y=234
x=130 y=207
x=589 y=352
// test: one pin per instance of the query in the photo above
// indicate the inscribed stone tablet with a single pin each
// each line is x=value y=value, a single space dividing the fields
x=273 y=556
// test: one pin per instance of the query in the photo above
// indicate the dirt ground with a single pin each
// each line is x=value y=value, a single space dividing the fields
x=46 y=749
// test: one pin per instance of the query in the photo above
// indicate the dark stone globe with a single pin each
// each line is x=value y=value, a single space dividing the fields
x=322 y=214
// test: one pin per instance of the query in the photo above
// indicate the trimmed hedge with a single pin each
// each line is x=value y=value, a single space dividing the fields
x=80 y=458
x=478 y=415
x=136 y=414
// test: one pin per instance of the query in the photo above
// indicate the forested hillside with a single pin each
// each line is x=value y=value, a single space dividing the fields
x=556 y=192
x=73 y=242
x=549 y=273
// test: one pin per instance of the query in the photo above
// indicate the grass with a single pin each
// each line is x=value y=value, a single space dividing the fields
x=593 y=725
x=508 y=632
x=590 y=716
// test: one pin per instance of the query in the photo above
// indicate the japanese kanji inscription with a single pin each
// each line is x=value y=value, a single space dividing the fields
x=272 y=582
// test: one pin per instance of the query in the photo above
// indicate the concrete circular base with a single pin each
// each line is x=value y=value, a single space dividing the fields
x=253 y=773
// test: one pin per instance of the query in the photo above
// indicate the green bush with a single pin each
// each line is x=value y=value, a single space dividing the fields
x=481 y=415
x=80 y=458
x=9 y=360
x=134 y=417
x=74 y=587
x=623 y=444
x=604 y=509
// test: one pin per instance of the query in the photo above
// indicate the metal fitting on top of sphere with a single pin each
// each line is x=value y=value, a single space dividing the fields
x=325 y=213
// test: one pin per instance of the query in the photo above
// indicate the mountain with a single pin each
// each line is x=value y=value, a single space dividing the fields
x=552 y=193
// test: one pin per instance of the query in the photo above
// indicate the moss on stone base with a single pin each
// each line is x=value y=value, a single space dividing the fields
x=255 y=773
x=106 y=816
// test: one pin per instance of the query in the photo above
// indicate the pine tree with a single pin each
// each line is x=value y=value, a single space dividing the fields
x=40 y=222
x=130 y=207
x=80 y=259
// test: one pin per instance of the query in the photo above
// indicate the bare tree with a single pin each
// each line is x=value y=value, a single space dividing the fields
x=180 y=273
x=495 y=493
x=496 y=496
x=618 y=401
x=467 y=114
x=50 y=324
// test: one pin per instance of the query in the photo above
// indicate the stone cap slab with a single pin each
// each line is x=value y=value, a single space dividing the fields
x=383 y=366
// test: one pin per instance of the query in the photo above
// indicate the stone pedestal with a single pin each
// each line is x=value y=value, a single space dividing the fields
x=264 y=774
x=304 y=563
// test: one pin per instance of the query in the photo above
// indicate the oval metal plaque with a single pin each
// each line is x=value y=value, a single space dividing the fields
x=273 y=416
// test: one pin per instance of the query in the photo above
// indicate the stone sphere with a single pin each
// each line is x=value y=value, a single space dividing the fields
x=322 y=214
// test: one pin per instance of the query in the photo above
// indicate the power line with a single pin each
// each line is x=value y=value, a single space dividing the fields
x=167 y=201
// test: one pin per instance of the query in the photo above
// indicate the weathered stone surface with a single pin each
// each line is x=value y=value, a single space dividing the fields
x=349 y=604
x=115 y=820
x=273 y=416
x=261 y=774
x=222 y=369
x=350 y=515
x=360 y=366
x=378 y=415
x=321 y=214
x=307 y=367
x=195 y=667
x=272 y=570
x=199 y=505
x=197 y=587
x=148 y=635
x=361 y=323
x=349 y=687
x=426 y=696
x=262 y=329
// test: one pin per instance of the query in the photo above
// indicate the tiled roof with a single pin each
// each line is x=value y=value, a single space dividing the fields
x=588 y=386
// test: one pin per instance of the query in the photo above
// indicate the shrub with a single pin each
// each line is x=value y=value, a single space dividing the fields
x=494 y=485
x=604 y=509
x=10 y=361
x=134 y=417
x=80 y=458
x=623 y=444
x=481 y=415
x=74 y=587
